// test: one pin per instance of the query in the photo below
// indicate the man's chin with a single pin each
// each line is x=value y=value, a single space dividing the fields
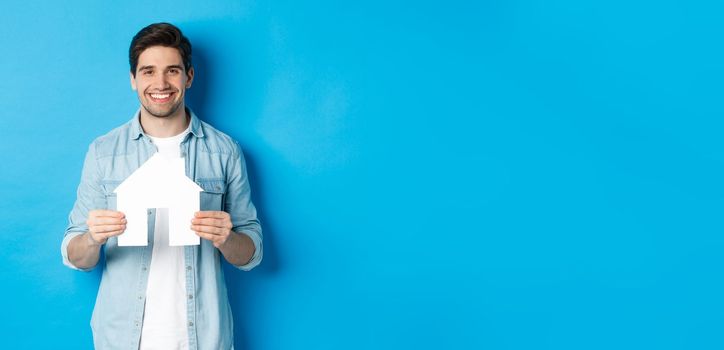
x=160 y=113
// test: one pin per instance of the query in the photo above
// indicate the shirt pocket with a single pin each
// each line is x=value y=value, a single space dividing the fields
x=213 y=196
x=109 y=186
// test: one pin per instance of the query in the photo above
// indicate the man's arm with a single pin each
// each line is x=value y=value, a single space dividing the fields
x=84 y=250
x=89 y=228
x=235 y=231
x=215 y=226
x=239 y=249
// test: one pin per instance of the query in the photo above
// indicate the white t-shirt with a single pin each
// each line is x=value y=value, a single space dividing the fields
x=164 y=317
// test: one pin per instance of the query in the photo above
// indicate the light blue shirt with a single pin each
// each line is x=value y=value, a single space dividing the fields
x=215 y=162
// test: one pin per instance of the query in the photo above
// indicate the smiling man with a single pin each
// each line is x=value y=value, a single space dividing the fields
x=161 y=97
x=161 y=296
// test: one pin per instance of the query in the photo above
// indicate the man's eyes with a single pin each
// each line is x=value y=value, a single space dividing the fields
x=172 y=71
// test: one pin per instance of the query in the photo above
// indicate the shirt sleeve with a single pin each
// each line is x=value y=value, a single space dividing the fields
x=239 y=206
x=89 y=196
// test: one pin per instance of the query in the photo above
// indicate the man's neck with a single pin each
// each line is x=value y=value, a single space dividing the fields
x=167 y=126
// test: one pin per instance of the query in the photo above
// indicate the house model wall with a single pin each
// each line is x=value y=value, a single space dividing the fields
x=160 y=182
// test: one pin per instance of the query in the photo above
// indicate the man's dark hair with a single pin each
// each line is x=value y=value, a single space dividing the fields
x=159 y=34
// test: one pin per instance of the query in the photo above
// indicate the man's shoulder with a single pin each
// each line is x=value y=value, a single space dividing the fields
x=217 y=141
x=109 y=141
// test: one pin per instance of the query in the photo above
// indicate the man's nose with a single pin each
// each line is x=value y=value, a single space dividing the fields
x=162 y=81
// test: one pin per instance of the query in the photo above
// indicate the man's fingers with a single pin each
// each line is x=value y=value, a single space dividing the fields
x=212 y=214
x=106 y=221
x=108 y=228
x=210 y=230
x=213 y=230
x=103 y=236
x=103 y=224
x=204 y=235
x=108 y=213
x=114 y=233
x=211 y=222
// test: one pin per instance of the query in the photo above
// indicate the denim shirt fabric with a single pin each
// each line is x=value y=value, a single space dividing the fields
x=215 y=162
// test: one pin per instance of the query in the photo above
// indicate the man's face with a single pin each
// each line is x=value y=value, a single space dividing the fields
x=161 y=81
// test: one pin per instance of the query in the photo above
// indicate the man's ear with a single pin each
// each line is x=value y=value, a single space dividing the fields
x=133 y=81
x=190 y=76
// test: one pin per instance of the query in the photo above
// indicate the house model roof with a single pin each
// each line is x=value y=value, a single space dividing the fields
x=158 y=174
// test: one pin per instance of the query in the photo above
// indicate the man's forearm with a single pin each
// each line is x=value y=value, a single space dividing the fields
x=83 y=252
x=238 y=249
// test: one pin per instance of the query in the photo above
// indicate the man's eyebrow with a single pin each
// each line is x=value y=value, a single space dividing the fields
x=177 y=66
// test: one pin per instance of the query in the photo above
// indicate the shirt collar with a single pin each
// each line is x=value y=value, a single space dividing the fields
x=137 y=131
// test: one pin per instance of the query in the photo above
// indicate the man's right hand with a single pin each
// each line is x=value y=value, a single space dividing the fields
x=103 y=224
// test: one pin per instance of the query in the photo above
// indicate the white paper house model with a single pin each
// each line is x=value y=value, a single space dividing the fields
x=160 y=182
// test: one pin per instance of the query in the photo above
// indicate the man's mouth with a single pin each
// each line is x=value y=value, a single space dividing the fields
x=161 y=97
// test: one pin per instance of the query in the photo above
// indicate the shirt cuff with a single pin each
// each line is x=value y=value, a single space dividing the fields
x=258 y=251
x=64 y=251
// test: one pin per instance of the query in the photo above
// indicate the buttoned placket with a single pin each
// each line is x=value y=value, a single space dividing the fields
x=190 y=256
x=146 y=252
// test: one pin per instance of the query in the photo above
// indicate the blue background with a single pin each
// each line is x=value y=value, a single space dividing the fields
x=453 y=175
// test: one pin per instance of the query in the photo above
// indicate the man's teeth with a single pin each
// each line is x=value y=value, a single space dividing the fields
x=160 y=96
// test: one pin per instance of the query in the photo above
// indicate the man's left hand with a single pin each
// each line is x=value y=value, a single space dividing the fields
x=214 y=226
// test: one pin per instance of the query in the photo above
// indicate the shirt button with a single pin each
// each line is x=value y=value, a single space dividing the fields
x=191 y=296
x=143 y=268
x=149 y=212
x=188 y=268
x=191 y=324
x=140 y=297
